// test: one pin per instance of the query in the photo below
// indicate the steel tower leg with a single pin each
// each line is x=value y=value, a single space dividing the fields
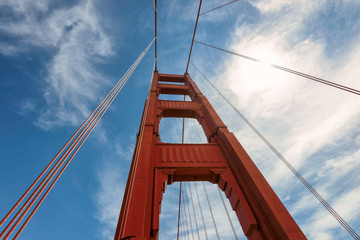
x=222 y=161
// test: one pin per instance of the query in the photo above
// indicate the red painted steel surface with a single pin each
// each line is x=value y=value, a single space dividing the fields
x=222 y=161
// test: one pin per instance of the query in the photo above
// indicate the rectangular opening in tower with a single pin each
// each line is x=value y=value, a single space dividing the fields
x=170 y=131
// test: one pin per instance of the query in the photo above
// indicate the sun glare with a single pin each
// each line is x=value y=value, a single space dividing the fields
x=250 y=77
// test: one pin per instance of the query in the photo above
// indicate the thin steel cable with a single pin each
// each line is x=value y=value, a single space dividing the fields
x=136 y=151
x=63 y=159
x=316 y=79
x=75 y=141
x=70 y=149
x=184 y=216
x=187 y=204
x=182 y=226
x=57 y=155
x=287 y=163
x=193 y=207
x=182 y=141
x=178 y=228
x=202 y=216
x=47 y=179
x=192 y=42
x=223 y=5
x=81 y=127
x=155 y=6
x=227 y=214
x=76 y=150
x=197 y=131
x=58 y=167
x=212 y=215
x=183 y=128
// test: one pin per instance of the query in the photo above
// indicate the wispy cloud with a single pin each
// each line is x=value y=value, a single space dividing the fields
x=76 y=36
x=306 y=121
x=109 y=196
x=26 y=107
x=112 y=175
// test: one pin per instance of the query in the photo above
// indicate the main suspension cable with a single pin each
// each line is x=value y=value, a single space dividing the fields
x=136 y=154
x=105 y=103
x=61 y=160
x=287 y=163
x=223 y=5
x=97 y=117
x=85 y=123
x=192 y=42
x=316 y=79
x=57 y=165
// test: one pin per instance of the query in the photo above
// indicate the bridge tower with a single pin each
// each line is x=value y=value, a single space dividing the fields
x=222 y=161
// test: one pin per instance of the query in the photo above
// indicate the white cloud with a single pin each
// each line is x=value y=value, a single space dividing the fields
x=26 y=107
x=306 y=121
x=109 y=196
x=112 y=176
x=76 y=35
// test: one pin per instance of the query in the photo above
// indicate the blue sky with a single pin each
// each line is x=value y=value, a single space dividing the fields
x=59 y=58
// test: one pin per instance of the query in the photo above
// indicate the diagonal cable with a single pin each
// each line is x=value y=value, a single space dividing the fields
x=83 y=125
x=192 y=42
x=223 y=5
x=316 y=79
x=93 y=118
x=94 y=122
x=287 y=163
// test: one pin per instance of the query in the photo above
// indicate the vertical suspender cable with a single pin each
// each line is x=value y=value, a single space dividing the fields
x=212 y=215
x=155 y=35
x=197 y=131
x=182 y=141
x=185 y=217
x=192 y=42
x=202 y=216
x=193 y=207
x=179 y=212
x=187 y=204
x=227 y=213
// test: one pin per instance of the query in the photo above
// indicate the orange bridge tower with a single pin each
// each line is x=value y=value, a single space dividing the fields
x=222 y=161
